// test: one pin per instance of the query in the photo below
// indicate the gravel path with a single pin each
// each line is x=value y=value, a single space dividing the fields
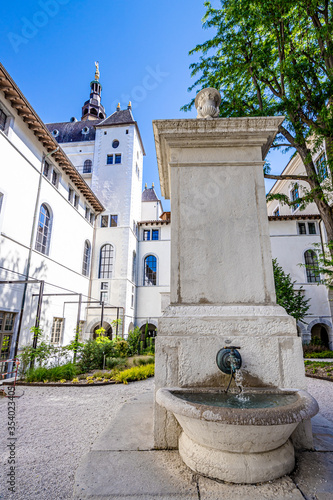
x=57 y=425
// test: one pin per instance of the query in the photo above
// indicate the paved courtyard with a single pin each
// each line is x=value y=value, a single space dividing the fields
x=57 y=427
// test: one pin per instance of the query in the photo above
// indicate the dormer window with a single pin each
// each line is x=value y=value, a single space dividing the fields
x=3 y=120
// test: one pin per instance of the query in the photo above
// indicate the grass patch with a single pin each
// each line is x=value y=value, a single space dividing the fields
x=64 y=372
x=111 y=363
x=140 y=361
x=135 y=373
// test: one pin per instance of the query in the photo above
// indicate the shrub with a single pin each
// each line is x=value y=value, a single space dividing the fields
x=133 y=341
x=135 y=373
x=322 y=354
x=67 y=372
x=92 y=354
x=120 y=347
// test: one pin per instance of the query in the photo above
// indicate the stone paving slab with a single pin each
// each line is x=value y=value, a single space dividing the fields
x=314 y=474
x=280 y=489
x=132 y=428
x=322 y=433
x=135 y=475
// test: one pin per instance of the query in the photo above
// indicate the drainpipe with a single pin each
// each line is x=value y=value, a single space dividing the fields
x=34 y=222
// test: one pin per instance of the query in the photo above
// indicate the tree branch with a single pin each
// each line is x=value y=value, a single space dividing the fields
x=285 y=145
x=304 y=178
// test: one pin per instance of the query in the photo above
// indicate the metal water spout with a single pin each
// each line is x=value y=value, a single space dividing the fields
x=229 y=361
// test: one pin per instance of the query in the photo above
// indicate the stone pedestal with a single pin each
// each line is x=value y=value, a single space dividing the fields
x=222 y=285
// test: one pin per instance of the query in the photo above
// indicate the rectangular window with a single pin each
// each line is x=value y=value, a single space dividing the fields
x=294 y=194
x=76 y=200
x=276 y=212
x=109 y=159
x=132 y=297
x=55 y=178
x=146 y=235
x=46 y=170
x=155 y=234
x=104 y=296
x=92 y=217
x=56 y=330
x=87 y=213
x=312 y=228
x=3 y=119
x=301 y=228
x=7 y=321
x=321 y=167
x=113 y=220
x=118 y=158
x=70 y=194
x=104 y=221
x=1 y=200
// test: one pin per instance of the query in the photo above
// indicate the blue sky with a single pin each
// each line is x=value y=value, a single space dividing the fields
x=49 y=48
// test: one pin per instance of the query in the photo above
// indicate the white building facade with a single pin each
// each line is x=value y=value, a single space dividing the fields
x=46 y=235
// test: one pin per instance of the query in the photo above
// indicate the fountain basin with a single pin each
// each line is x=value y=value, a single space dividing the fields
x=245 y=444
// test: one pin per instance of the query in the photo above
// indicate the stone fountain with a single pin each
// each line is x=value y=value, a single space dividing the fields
x=222 y=288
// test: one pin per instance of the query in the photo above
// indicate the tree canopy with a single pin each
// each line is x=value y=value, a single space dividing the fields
x=275 y=57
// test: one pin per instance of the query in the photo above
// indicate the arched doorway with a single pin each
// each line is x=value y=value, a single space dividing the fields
x=151 y=332
x=108 y=330
x=147 y=333
x=319 y=333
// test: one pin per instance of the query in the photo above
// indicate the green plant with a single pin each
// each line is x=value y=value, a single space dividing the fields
x=135 y=373
x=133 y=341
x=286 y=295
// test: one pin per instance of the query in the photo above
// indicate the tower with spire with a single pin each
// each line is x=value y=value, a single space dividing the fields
x=93 y=109
x=108 y=152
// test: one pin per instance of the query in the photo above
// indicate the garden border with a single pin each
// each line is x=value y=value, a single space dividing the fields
x=58 y=384
x=320 y=378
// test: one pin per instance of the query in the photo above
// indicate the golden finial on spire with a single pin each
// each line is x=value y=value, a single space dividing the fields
x=97 y=71
x=146 y=186
x=153 y=185
x=118 y=107
x=129 y=105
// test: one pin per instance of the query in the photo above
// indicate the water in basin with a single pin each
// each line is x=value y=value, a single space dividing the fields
x=237 y=400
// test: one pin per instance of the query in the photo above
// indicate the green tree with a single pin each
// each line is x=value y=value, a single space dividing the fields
x=275 y=57
x=286 y=295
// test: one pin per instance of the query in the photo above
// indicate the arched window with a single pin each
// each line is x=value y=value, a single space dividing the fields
x=86 y=258
x=150 y=270
x=43 y=230
x=106 y=261
x=312 y=267
x=134 y=267
x=87 y=166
